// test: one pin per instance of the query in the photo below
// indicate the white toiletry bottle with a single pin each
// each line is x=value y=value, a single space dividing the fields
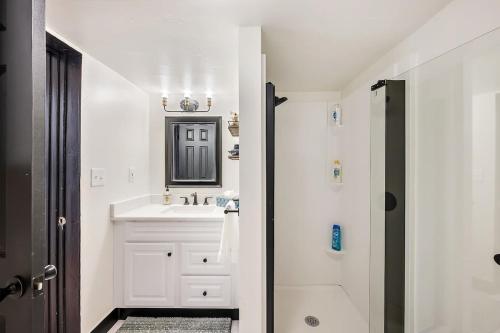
x=337 y=172
x=167 y=197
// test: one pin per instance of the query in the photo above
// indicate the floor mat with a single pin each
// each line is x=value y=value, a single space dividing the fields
x=175 y=325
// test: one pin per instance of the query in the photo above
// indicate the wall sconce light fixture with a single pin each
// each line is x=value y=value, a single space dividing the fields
x=187 y=104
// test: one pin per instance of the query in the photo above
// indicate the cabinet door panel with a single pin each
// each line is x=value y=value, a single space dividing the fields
x=149 y=274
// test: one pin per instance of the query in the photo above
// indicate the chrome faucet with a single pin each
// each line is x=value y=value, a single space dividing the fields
x=195 y=200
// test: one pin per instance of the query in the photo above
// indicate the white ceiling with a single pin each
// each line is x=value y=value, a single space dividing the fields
x=177 y=45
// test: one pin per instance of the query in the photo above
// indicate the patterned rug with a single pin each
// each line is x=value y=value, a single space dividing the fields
x=176 y=325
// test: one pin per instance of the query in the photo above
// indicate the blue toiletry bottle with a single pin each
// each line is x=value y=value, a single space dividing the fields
x=336 y=238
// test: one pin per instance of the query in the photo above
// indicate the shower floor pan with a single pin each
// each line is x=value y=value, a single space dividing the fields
x=330 y=305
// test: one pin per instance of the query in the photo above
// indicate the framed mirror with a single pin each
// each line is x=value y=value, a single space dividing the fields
x=193 y=151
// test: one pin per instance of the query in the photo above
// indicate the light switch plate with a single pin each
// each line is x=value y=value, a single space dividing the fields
x=97 y=176
x=131 y=175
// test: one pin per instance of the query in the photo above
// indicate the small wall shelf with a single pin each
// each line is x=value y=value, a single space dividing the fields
x=335 y=254
x=234 y=128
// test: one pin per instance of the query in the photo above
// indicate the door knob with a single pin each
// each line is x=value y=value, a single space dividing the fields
x=14 y=287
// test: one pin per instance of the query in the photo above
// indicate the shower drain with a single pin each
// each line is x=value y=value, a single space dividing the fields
x=312 y=321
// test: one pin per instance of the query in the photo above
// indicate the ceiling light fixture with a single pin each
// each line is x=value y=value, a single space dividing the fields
x=187 y=104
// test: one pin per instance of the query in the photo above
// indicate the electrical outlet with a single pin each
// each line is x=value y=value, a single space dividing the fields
x=131 y=175
x=97 y=176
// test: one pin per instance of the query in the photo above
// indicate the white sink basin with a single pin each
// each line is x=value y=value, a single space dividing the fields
x=189 y=210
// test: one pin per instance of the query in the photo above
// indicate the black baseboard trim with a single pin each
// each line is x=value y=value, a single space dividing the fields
x=108 y=322
x=178 y=312
x=122 y=314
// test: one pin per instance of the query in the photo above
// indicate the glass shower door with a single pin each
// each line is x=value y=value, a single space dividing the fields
x=455 y=183
x=452 y=282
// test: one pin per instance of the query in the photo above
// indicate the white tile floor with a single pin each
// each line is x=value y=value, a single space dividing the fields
x=119 y=323
x=330 y=304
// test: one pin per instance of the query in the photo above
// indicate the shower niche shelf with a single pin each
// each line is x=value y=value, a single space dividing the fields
x=335 y=254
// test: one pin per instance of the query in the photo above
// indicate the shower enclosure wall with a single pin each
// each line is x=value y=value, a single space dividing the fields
x=304 y=281
x=452 y=218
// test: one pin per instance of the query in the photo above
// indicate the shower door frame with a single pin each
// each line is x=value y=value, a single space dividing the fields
x=271 y=103
x=270 y=167
x=389 y=314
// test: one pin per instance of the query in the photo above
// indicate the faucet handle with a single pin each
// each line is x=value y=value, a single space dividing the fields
x=205 y=203
x=186 y=200
x=195 y=198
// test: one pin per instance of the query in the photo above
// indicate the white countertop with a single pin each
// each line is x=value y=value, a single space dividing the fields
x=158 y=212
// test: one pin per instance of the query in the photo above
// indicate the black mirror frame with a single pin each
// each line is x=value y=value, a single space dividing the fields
x=169 y=149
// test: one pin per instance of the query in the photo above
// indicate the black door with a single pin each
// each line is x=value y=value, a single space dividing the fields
x=22 y=175
x=63 y=185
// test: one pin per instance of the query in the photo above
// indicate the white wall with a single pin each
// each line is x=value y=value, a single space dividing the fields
x=115 y=136
x=458 y=23
x=307 y=205
x=223 y=105
x=252 y=280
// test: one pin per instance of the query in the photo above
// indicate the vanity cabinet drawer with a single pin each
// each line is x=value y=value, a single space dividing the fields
x=201 y=259
x=206 y=291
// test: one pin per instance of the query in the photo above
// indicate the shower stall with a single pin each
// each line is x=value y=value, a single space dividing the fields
x=435 y=195
x=304 y=282
x=434 y=205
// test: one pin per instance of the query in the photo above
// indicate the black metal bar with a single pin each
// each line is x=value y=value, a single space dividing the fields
x=270 y=118
x=227 y=211
x=395 y=177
